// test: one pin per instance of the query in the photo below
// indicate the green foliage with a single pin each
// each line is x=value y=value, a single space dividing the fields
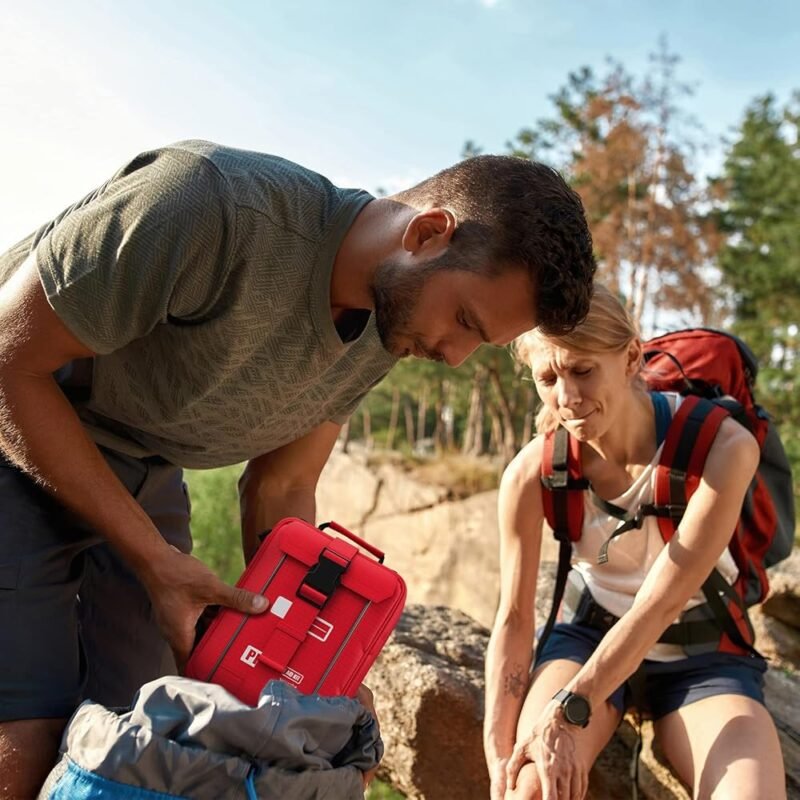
x=760 y=215
x=215 y=520
x=429 y=393
x=380 y=791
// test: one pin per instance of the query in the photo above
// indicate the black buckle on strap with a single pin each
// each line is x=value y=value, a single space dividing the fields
x=636 y=521
x=322 y=579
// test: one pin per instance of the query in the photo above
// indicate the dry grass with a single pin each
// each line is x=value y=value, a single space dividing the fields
x=462 y=476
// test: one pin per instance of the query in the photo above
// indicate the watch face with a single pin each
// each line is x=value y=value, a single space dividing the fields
x=577 y=709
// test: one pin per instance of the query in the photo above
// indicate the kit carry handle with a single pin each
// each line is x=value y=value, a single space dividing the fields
x=353 y=538
x=340 y=529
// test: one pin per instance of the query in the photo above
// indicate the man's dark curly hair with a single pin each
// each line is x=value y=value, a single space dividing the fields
x=514 y=212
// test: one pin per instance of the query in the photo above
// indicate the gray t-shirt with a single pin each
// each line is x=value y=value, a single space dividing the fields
x=200 y=275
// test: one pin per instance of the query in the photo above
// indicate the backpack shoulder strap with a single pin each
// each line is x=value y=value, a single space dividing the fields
x=688 y=441
x=686 y=448
x=563 y=486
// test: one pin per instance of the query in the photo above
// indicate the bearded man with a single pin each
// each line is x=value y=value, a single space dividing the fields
x=208 y=306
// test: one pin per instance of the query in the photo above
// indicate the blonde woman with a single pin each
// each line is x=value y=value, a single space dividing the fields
x=542 y=735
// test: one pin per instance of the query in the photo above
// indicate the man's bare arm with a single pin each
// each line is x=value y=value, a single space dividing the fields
x=283 y=484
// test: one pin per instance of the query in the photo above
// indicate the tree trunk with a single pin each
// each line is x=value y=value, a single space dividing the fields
x=507 y=444
x=448 y=417
x=472 y=443
x=641 y=296
x=438 y=425
x=409 y=420
x=527 y=422
x=649 y=260
x=422 y=412
x=393 y=416
x=344 y=435
x=496 y=434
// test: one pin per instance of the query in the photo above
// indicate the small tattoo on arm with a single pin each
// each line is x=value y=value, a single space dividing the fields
x=515 y=682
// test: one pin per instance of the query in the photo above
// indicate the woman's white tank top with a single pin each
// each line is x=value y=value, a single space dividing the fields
x=631 y=555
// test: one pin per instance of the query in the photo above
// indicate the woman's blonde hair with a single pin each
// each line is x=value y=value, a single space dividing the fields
x=608 y=328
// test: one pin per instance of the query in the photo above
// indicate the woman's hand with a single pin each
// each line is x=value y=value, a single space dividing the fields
x=497 y=775
x=551 y=746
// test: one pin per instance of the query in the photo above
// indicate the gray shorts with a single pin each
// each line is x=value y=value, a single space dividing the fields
x=75 y=623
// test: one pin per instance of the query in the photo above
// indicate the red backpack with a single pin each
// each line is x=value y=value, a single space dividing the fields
x=715 y=372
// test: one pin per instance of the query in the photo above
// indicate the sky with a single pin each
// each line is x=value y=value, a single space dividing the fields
x=368 y=92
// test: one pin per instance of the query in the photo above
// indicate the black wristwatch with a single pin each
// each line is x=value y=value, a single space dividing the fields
x=577 y=708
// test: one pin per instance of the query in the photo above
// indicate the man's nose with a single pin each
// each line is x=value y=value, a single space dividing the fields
x=455 y=353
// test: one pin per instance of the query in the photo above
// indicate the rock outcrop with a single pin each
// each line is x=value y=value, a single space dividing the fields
x=428 y=684
x=783 y=602
x=446 y=549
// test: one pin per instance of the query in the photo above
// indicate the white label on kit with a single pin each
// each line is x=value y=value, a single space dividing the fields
x=250 y=655
x=280 y=607
x=320 y=629
x=294 y=676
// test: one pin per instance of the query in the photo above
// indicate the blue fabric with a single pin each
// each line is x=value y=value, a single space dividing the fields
x=79 y=784
x=669 y=685
x=663 y=416
x=250 y=785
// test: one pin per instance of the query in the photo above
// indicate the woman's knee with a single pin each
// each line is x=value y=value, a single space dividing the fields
x=528 y=786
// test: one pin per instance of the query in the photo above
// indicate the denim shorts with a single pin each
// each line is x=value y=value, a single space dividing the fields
x=667 y=685
x=75 y=622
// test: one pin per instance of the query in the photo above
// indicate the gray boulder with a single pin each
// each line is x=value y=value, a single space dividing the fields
x=428 y=685
x=783 y=602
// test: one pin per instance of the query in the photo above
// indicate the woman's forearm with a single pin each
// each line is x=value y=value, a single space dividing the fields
x=508 y=661
x=622 y=650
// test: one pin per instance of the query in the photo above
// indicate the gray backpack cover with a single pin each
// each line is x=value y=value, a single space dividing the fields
x=188 y=739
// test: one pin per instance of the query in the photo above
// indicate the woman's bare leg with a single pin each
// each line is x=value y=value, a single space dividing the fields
x=725 y=746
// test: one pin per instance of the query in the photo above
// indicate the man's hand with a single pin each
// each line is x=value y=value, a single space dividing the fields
x=367 y=699
x=369 y=776
x=180 y=586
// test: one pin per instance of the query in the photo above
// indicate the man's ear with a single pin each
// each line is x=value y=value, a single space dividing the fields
x=429 y=231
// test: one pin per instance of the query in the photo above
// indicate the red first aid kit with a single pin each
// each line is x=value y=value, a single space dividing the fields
x=331 y=609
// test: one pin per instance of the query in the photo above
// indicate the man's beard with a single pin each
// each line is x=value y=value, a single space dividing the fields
x=395 y=293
